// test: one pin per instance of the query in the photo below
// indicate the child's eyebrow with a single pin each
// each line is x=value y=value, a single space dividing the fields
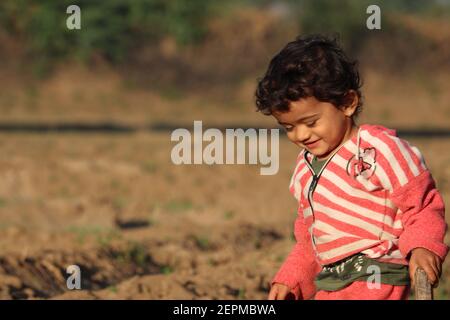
x=301 y=119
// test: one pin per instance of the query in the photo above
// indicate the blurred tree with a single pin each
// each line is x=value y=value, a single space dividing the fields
x=348 y=17
x=109 y=28
x=114 y=28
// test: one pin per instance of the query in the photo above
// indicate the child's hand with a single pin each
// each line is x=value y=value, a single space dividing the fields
x=429 y=262
x=278 y=291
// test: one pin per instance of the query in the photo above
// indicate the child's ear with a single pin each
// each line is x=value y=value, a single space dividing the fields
x=352 y=101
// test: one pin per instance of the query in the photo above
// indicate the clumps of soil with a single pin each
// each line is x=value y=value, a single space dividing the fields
x=228 y=264
x=45 y=275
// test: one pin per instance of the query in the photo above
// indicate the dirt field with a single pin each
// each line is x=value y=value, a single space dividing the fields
x=211 y=232
x=142 y=228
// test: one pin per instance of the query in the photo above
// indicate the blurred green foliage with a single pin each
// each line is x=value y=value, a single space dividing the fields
x=110 y=28
x=115 y=28
x=347 y=18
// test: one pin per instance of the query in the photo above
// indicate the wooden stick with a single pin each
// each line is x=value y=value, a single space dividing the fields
x=423 y=289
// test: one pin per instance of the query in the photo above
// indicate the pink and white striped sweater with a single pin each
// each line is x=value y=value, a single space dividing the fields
x=375 y=195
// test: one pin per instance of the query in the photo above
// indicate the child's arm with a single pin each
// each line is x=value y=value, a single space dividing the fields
x=423 y=216
x=412 y=189
x=300 y=267
x=424 y=226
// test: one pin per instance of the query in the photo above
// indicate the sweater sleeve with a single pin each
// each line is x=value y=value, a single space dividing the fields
x=300 y=267
x=423 y=216
x=413 y=191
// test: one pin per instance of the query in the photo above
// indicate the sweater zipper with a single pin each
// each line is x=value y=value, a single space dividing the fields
x=313 y=186
x=315 y=180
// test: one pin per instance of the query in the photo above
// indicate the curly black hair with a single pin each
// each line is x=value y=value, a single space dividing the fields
x=311 y=66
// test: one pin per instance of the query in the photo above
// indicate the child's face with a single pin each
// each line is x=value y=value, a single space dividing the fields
x=318 y=126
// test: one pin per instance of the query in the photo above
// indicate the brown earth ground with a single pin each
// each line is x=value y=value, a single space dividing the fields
x=208 y=232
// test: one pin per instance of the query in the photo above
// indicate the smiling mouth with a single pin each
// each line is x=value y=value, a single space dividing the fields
x=311 y=143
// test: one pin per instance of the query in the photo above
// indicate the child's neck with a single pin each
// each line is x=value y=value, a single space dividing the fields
x=351 y=132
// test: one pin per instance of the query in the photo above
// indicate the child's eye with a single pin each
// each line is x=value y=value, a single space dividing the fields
x=288 y=129
x=312 y=123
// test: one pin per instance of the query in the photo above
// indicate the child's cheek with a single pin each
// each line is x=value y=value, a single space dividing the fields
x=291 y=136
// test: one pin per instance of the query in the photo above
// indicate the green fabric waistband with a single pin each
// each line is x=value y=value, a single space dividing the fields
x=359 y=267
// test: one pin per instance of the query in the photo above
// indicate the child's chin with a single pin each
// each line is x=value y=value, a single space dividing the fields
x=320 y=154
